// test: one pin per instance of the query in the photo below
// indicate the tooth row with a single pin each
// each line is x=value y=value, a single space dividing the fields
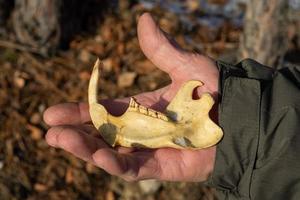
x=135 y=106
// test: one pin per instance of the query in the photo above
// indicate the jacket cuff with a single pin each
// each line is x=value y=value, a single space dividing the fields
x=239 y=114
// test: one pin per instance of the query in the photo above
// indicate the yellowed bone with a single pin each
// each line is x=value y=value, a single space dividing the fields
x=185 y=123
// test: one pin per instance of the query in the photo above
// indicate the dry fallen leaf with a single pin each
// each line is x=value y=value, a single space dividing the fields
x=35 y=132
x=126 y=79
x=193 y=5
x=144 y=67
x=107 y=64
x=109 y=195
x=40 y=187
x=19 y=80
x=69 y=176
x=84 y=75
x=84 y=56
x=90 y=168
x=35 y=118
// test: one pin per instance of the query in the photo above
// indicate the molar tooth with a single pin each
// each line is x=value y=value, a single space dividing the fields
x=162 y=116
x=152 y=113
x=143 y=110
x=133 y=105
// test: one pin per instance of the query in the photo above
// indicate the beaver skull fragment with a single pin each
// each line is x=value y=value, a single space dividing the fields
x=184 y=125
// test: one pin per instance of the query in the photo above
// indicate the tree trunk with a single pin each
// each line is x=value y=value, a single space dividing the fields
x=35 y=23
x=46 y=25
x=265 y=33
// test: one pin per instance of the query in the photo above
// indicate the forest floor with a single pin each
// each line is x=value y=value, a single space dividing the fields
x=29 y=83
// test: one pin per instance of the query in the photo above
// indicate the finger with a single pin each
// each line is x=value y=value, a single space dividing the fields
x=131 y=166
x=80 y=144
x=163 y=52
x=67 y=113
x=78 y=113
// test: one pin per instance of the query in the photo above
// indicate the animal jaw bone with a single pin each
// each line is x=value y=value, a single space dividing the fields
x=185 y=123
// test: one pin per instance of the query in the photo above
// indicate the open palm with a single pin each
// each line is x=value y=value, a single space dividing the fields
x=72 y=131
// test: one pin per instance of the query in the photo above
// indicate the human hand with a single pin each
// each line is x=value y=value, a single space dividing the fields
x=71 y=129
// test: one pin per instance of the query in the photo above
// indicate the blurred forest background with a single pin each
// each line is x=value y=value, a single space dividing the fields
x=47 y=49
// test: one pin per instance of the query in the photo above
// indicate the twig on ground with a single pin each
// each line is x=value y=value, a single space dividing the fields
x=12 y=45
x=41 y=78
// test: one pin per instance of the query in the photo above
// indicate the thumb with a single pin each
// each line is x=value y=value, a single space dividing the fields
x=158 y=47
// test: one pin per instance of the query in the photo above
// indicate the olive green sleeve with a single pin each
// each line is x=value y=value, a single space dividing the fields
x=259 y=112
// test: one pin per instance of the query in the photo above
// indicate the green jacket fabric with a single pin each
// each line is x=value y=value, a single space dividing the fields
x=259 y=112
